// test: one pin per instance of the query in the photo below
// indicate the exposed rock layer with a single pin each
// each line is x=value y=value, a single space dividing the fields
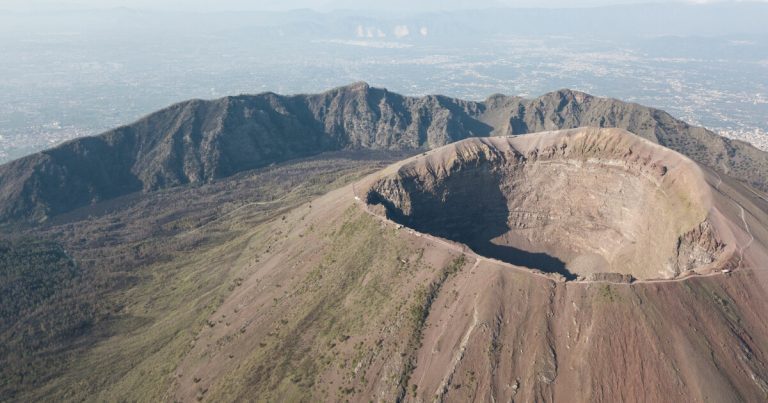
x=576 y=202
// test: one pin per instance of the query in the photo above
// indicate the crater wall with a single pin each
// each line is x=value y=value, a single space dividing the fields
x=579 y=202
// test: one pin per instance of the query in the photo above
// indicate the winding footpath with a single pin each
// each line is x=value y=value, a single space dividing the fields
x=742 y=215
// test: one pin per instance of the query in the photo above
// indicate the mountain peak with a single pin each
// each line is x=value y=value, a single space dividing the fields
x=359 y=86
x=569 y=94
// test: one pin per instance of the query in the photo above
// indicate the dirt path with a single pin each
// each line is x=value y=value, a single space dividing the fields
x=443 y=388
x=751 y=238
x=754 y=192
x=230 y=212
x=743 y=217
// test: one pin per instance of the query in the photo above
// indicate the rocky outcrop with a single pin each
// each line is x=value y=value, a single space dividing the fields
x=696 y=248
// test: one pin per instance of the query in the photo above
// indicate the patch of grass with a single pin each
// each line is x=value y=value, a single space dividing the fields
x=423 y=298
x=330 y=313
x=607 y=293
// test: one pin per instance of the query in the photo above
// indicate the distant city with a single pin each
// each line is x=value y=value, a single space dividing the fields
x=59 y=81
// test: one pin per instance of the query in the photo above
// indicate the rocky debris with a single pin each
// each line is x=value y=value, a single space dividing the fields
x=610 y=277
x=697 y=247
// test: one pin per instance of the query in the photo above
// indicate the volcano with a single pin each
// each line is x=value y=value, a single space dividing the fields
x=583 y=203
x=581 y=265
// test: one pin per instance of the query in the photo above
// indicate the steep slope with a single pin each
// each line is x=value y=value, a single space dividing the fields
x=347 y=305
x=570 y=109
x=199 y=141
x=265 y=286
x=104 y=300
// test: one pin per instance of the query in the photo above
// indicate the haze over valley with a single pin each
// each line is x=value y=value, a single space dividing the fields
x=382 y=203
x=68 y=73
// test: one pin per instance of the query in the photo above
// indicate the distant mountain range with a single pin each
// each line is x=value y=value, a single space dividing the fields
x=198 y=141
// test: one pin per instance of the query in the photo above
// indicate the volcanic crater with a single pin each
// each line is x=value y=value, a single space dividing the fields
x=588 y=204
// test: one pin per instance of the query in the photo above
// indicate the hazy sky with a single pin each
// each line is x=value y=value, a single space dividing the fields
x=225 y=5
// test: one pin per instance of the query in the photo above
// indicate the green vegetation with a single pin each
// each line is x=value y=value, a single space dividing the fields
x=43 y=304
x=424 y=296
x=112 y=317
x=607 y=293
x=315 y=323
x=31 y=272
x=423 y=299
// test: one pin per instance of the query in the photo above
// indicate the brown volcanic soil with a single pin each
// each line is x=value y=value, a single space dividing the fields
x=343 y=304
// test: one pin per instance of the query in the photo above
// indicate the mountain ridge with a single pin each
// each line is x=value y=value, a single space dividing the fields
x=198 y=141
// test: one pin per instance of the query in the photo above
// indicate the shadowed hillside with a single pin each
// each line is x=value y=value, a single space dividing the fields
x=198 y=141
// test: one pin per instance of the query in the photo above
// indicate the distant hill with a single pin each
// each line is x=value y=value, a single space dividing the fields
x=198 y=141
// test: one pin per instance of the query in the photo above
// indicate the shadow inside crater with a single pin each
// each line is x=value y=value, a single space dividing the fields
x=519 y=257
x=470 y=208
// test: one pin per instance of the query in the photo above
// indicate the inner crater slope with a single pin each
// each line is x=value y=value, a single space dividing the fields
x=586 y=203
